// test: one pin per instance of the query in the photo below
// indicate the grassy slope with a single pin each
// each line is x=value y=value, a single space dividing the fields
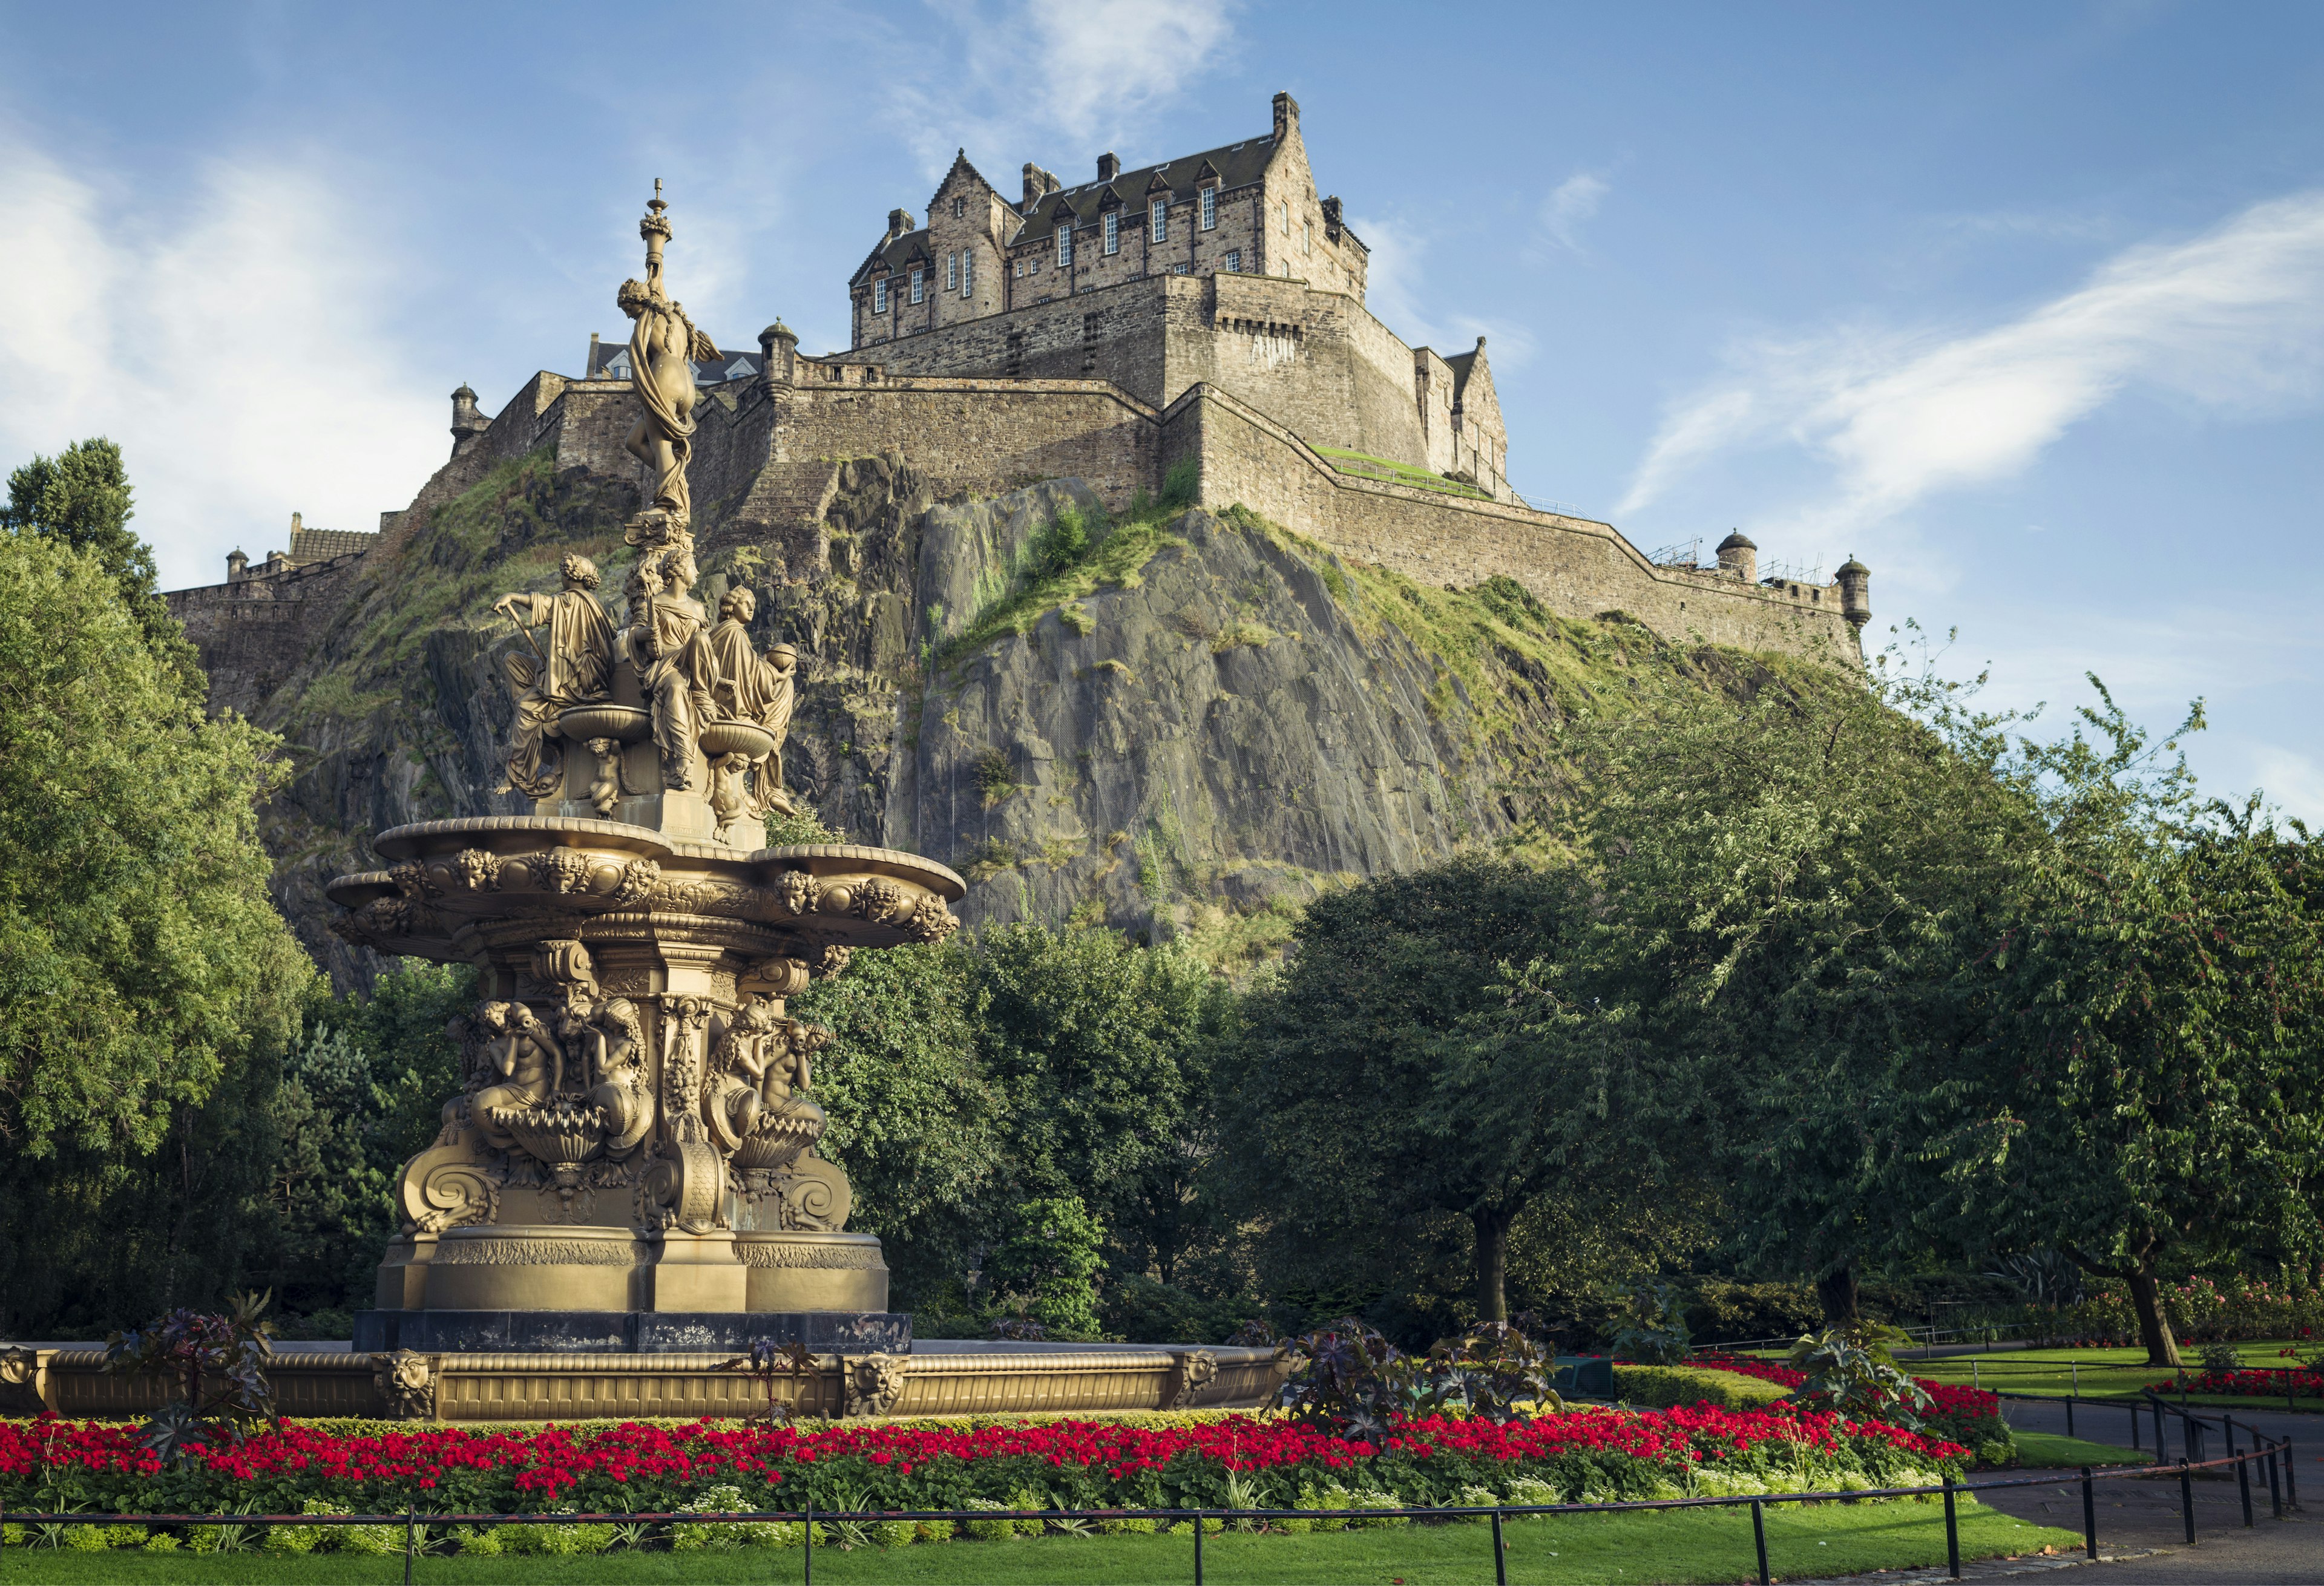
x=1700 y=1546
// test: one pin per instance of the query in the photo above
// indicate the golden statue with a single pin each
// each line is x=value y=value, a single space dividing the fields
x=663 y=345
x=575 y=669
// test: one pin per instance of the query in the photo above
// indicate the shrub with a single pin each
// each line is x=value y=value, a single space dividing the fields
x=724 y=1535
x=1661 y=1387
x=1651 y=1329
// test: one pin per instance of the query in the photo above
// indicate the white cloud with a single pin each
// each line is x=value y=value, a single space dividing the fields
x=234 y=345
x=2232 y=320
x=1576 y=199
x=2293 y=782
x=1088 y=72
x=1395 y=290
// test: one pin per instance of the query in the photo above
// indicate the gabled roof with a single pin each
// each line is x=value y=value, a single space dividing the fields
x=1461 y=363
x=1233 y=166
x=612 y=361
x=897 y=254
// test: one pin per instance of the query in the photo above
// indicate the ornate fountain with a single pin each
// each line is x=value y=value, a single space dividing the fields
x=631 y=1163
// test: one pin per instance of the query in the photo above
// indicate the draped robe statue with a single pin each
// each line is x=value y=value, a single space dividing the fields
x=676 y=669
x=574 y=667
x=755 y=690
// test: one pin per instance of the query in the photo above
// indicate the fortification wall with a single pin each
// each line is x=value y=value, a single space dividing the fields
x=1576 y=567
x=251 y=633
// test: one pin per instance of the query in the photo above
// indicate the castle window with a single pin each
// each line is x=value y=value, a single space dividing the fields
x=1307 y=236
x=1283 y=218
x=1210 y=208
x=967 y=274
x=960 y=206
x=879 y=297
x=919 y=287
x=952 y=271
x=1065 y=247
x=1234 y=261
x=1112 y=232
x=1158 y=215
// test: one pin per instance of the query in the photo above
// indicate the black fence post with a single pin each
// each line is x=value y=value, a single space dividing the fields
x=806 y=1575
x=409 y=1526
x=2291 y=1475
x=2243 y=1488
x=2089 y=1515
x=2161 y=1446
x=2274 y=1480
x=2187 y=1500
x=2069 y=1415
x=1198 y=1548
x=1952 y=1531
x=1500 y=1553
x=2134 y=1430
x=1760 y=1536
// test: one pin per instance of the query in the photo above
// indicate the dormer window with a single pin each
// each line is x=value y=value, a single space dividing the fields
x=1064 y=245
x=919 y=286
x=1114 y=231
x=1210 y=208
x=1158 y=218
x=880 y=297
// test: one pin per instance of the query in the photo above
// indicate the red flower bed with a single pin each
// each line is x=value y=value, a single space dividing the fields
x=2254 y=1382
x=1073 y=1463
x=1964 y=1414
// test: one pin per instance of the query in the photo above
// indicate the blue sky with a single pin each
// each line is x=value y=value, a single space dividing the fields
x=2022 y=304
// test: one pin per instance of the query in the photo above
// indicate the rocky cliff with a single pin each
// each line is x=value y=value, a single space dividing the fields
x=1169 y=720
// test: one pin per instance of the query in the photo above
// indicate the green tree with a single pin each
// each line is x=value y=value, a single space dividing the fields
x=359 y=1096
x=1046 y=1266
x=1102 y=1050
x=81 y=498
x=1386 y=1075
x=2142 y=1090
x=915 y=1119
x=1786 y=869
x=148 y=988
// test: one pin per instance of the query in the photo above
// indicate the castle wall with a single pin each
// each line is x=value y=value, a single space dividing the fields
x=251 y=633
x=1576 y=567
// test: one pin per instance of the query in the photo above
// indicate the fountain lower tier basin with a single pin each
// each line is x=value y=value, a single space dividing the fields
x=938 y=1378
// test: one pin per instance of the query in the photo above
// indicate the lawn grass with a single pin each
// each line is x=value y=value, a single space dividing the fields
x=2105 y=1372
x=1619 y=1550
x=2045 y=1450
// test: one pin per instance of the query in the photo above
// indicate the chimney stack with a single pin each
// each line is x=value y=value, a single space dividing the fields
x=900 y=221
x=1039 y=185
x=1108 y=166
x=1286 y=114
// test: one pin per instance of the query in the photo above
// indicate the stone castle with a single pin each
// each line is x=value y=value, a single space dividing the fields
x=1201 y=321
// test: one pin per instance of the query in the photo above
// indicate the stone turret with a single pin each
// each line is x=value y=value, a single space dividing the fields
x=237 y=565
x=777 y=344
x=468 y=421
x=1738 y=558
x=1855 y=581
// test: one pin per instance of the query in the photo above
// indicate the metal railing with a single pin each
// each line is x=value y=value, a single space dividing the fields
x=2274 y=1456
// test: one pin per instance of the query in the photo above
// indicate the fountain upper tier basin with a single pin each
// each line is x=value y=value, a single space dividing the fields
x=453 y=879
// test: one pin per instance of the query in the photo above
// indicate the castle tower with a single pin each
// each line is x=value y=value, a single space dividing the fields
x=1740 y=558
x=468 y=420
x=237 y=565
x=778 y=343
x=1855 y=581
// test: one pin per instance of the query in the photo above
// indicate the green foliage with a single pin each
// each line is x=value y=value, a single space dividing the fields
x=1044 y=1265
x=800 y=829
x=358 y=1097
x=1849 y=1369
x=147 y=986
x=1652 y=1328
x=81 y=497
x=915 y=1119
x=1390 y=1074
x=1662 y=1387
x=1103 y=1050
